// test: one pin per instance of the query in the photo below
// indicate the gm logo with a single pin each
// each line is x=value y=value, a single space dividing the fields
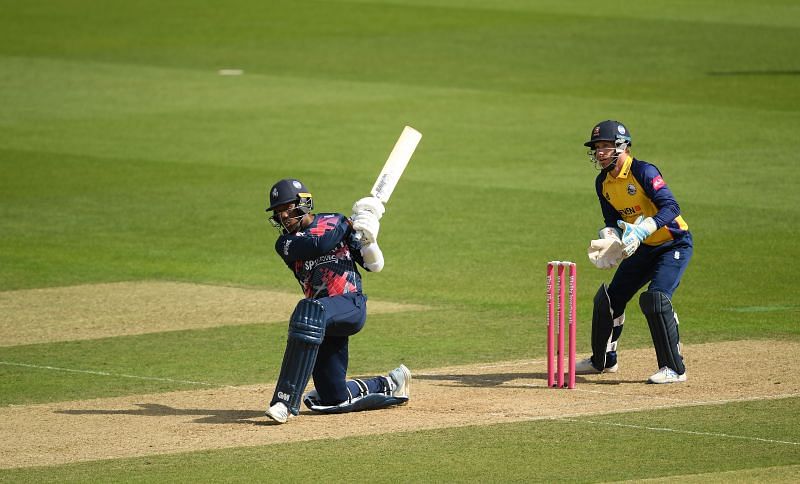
x=283 y=396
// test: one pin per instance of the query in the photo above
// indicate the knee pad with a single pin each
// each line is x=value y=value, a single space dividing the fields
x=602 y=327
x=306 y=332
x=307 y=323
x=663 y=323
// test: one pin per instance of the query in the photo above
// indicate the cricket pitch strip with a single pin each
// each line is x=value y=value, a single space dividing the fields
x=503 y=392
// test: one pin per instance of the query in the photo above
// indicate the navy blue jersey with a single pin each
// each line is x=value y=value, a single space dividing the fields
x=323 y=256
x=639 y=189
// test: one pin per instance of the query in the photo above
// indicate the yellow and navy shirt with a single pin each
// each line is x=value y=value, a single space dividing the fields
x=639 y=189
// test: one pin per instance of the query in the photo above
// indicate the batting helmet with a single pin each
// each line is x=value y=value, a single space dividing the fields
x=290 y=190
x=610 y=130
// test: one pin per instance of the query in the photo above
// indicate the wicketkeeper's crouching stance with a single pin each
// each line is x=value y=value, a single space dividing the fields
x=322 y=252
x=646 y=235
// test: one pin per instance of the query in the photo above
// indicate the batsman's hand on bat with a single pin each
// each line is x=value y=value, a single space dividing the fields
x=366 y=223
x=633 y=234
x=369 y=204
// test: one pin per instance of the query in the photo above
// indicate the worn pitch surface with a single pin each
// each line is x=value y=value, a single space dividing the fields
x=62 y=432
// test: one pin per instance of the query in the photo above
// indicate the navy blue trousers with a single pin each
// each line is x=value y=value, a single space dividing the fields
x=661 y=266
x=345 y=315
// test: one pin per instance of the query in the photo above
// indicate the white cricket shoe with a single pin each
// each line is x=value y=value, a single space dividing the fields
x=278 y=412
x=585 y=367
x=401 y=377
x=666 y=375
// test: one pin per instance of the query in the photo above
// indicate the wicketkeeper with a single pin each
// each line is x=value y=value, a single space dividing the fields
x=646 y=236
x=322 y=252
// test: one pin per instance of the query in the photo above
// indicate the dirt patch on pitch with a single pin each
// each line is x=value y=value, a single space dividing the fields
x=128 y=308
x=63 y=432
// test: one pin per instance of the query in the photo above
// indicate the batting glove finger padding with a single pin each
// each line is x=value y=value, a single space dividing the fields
x=369 y=204
x=367 y=224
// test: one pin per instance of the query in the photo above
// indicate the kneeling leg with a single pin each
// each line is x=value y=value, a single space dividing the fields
x=306 y=332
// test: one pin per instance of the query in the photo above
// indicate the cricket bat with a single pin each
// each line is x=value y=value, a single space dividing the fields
x=395 y=165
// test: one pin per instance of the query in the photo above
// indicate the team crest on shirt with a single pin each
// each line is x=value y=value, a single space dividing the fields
x=631 y=189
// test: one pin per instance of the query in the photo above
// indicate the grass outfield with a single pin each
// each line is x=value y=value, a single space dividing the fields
x=125 y=156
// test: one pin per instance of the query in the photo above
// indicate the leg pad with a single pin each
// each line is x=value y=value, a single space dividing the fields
x=306 y=332
x=602 y=327
x=363 y=401
x=663 y=323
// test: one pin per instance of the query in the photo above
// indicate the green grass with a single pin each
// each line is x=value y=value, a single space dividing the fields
x=125 y=156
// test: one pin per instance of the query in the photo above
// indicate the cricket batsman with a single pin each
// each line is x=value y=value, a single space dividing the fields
x=323 y=254
x=646 y=236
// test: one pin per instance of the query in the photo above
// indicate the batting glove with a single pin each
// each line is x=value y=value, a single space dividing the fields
x=369 y=204
x=366 y=224
x=633 y=234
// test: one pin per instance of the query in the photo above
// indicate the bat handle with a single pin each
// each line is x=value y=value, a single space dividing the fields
x=358 y=236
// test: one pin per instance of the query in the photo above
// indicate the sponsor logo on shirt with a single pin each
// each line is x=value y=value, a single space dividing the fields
x=325 y=259
x=630 y=210
x=658 y=183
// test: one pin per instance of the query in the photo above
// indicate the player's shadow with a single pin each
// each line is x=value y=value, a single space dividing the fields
x=209 y=416
x=486 y=380
x=491 y=380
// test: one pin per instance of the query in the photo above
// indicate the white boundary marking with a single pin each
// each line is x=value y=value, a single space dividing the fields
x=104 y=373
x=678 y=431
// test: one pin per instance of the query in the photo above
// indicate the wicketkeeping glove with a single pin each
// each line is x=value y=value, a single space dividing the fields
x=633 y=234
x=369 y=204
x=367 y=224
x=605 y=253
x=612 y=233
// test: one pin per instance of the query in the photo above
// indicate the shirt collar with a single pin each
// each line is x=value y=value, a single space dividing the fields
x=626 y=167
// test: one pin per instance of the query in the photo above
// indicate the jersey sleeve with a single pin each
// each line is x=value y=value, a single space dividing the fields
x=321 y=237
x=657 y=190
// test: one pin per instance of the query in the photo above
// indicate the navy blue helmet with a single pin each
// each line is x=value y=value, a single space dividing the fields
x=610 y=130
x=290 y=190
